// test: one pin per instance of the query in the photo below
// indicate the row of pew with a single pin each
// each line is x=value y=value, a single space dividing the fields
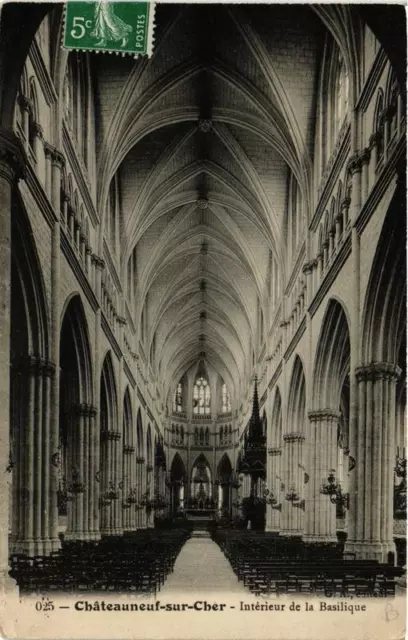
x=268 y=564
x=137 y=562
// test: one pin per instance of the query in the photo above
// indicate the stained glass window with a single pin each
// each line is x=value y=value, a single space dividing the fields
x=201 y=397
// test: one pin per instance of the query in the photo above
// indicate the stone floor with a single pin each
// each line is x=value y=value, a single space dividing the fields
x=201 y=566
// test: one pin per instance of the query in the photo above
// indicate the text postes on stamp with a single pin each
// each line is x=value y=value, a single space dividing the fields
x=110 y=26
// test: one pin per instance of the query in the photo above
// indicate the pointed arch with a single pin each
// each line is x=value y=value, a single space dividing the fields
x=384 y=314
x=276 y=421
x=75 y=348
x=127 y=419
x=332 y=360
x=201 y=460
x=29 y=309
x=297 y=398
x=109 y=402
x=149 y=447
x=224 y=468
x=139 y=432
x=177 y=469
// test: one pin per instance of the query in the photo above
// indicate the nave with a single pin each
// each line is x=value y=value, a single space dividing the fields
x=202 y=568
x=196 y=561
x=205 y=302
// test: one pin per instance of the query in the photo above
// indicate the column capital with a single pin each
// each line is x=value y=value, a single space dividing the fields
x=140 y=460
x=327 y=415
x=34 y=365
x=365 y=155
x=37 y=130
x=99 y=262
x=275 y=451
x=128 y=449
x=354 y=163
x=121 y=320
x=25 y=103
x=58 y=158
x=12 y=157
x=308 y=267
x=293 y=437
x=111 y=435
x=85 y=409
x=389 y=112
x=374 y=139
x=378 y=371
x=48 y=149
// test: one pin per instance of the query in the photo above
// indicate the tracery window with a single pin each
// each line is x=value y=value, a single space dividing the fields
x=178 y=398
x=201 y=397
x=225 y=399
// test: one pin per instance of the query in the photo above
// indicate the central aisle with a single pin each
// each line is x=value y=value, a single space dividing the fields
x=201 y=566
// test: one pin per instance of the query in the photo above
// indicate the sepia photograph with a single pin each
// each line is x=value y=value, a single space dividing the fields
x=203 y=321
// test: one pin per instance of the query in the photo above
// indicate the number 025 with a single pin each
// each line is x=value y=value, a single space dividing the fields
x=79 y=27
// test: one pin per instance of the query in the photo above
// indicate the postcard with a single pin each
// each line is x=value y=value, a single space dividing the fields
x=203 y=321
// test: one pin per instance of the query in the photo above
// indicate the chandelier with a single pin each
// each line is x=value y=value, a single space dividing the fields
x=333 y=489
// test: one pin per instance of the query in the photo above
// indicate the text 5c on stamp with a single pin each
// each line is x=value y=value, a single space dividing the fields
x=109 y=26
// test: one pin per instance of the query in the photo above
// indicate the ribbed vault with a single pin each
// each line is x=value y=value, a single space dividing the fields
x=204 y=139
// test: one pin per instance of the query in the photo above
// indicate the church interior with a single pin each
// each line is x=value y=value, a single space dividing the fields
x=203 y=302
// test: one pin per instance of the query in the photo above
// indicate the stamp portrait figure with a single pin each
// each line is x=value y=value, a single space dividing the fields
x=108 y=26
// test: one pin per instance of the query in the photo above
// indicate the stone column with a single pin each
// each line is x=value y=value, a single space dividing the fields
x=150 y=492
x=371 y=515
x=140 y=491
x=320 y=520
x=91 y=477
x=345 y=205
x=273 y=512
x=116 y=474
x=365 y=161
x=25 y=106
x=293 y=474
x=96 y=440
x=54 y=163
x=76 y=474
x=38 y=148
x=128 y=511
x=11 y=168
x=133 y=484
x=109 y=483
x=48 y=151
x=83 y=474
x=319 y=259
x=30 y=456
x=64 y=208
x=331 y=243
x=338 y=221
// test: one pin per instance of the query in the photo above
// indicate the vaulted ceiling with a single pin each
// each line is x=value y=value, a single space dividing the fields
x=204 y=137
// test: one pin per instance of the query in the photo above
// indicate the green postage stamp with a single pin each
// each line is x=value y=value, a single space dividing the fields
x=109 y=26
